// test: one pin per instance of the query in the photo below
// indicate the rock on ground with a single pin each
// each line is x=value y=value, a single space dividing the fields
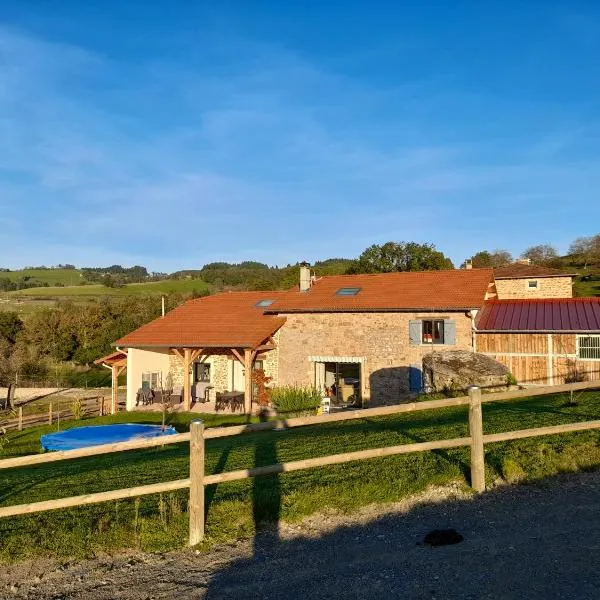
x=459 y=369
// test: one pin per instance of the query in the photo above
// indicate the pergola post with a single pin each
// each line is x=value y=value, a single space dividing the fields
x=248 y=360
x=114 y=389
x=187 y=390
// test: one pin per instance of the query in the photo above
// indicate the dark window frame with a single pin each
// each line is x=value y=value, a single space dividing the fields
x=429 y=331
x=206 y=372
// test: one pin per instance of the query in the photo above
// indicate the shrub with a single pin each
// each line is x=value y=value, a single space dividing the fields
x=290 y=398
x=511 y=379
x=77 y=409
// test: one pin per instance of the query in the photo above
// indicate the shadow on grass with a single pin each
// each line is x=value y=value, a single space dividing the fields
x=266 y=496
x=519 y=542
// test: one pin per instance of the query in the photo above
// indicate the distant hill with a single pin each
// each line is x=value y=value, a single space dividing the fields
x=44 y=276
x=167 y=286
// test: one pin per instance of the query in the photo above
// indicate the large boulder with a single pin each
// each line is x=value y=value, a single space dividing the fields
x=456 y=370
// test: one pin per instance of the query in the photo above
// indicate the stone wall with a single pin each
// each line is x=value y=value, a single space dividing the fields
x=547 y=287
x=381 y=340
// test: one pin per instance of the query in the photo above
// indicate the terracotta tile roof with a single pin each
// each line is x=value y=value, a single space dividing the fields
x=518 y=270
x=118 y=358
x=230 y=319
x=543 y=315
x=426 y=290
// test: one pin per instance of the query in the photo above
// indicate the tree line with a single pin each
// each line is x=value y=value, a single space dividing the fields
x=76 y=333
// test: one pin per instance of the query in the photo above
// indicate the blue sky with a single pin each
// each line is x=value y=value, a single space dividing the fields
x=171 y=134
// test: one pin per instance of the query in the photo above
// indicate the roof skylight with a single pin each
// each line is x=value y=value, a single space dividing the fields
x=348 y=291
x=264 y=303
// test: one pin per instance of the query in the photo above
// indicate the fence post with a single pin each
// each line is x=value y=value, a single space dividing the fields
x=20 y=424
x=50 y=413
x=196 y=505
x=101 y=407
x=476 y=433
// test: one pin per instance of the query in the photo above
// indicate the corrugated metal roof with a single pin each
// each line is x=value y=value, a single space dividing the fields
x=541 y=315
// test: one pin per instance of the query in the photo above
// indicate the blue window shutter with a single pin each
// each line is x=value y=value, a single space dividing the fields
x=415 y=378
x=415 y=329
x=450 y=332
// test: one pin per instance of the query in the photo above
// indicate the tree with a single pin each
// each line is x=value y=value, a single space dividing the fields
x=542 y=254
x=586 y=249
x=491 y=260
x=400 y=256
x=10 y=326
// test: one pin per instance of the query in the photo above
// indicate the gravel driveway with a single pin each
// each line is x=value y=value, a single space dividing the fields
x=529 y=541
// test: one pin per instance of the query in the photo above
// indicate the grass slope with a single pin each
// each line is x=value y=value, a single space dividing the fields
x=160 y=523
x=152 y=287
x=589 y=287
x=51 y=276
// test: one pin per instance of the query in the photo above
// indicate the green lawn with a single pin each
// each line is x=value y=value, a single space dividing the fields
x=587 y=288
x=151 y=287
x=159 y=523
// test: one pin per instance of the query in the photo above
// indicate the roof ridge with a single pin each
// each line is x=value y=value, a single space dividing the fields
x=540 y=300
x=387 y=273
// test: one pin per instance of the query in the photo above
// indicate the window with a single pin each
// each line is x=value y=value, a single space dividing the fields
x=532 y=284
x=264 y=303
x=202 y=372
x=433 y=332
x=347 y=291
x=150 y=380
x=588 y=347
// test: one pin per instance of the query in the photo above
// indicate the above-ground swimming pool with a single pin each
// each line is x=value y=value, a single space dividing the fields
x=95 y=435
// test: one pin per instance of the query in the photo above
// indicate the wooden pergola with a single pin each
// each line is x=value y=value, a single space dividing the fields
x=117 y=363
x=245 y=355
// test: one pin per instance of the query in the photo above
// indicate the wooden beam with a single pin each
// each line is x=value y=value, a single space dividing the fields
x=476 y=433
x=196 y=353
x=196 y=504
x=335 y=459
x=265 y=347
x=177 y=352
x=237 y=355
x=187 y=389
x=248 y=362
x=114 y=389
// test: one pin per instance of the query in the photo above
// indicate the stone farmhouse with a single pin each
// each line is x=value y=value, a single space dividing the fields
x=361 y=336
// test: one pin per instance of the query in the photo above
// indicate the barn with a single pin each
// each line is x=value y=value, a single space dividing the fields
x=542 y=341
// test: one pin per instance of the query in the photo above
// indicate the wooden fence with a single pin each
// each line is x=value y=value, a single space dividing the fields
x=93 y=406
x=198 y=480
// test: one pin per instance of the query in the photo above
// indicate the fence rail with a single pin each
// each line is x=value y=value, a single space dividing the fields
x=197 y=437
x=92 y=406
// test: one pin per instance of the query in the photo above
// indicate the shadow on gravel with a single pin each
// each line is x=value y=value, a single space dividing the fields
x=530 y=541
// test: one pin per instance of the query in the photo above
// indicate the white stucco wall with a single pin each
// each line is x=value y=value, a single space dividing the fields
x=143 y=361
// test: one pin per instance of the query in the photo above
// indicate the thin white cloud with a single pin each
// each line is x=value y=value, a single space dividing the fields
x=167 y=165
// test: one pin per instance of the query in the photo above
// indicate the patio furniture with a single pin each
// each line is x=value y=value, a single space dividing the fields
x=232 y=400
x=200 y=391
x=144 y=396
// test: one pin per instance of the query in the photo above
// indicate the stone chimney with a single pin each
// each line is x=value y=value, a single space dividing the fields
x=468 y=264
x=305 y=278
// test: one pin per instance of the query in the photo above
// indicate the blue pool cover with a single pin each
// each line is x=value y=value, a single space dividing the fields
x=95 y=435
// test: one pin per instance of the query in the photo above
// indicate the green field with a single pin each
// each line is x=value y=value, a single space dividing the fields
x=159 y=523
x=153 y=287
x=50 y=276
x=587 y=288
